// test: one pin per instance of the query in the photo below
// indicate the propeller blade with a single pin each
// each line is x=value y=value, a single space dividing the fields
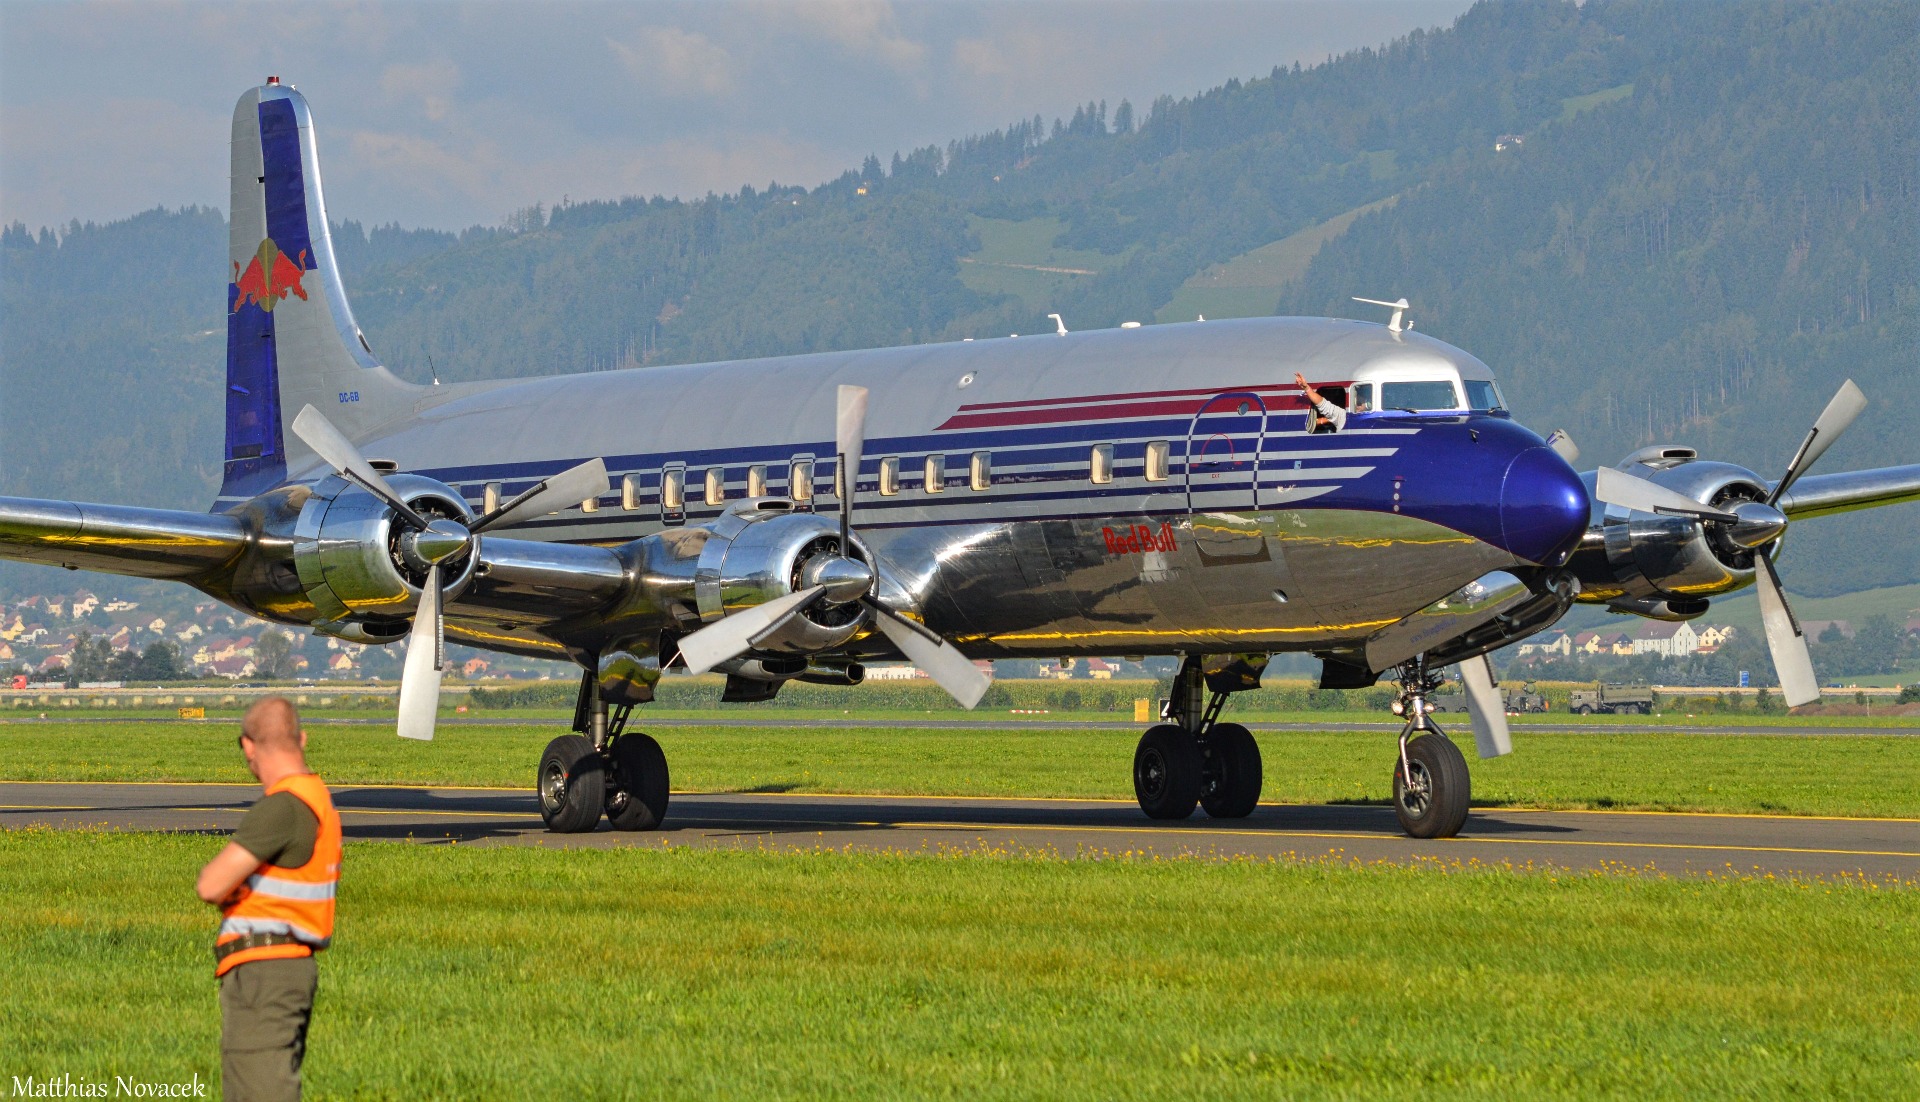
x=1486 y=707
x=1846 y=405
x=850 y=436
x=734 y=634
x=333 y=446
x=950 y=669
x=562 y=491
x=1791 y=660
x=1562 y=443
x=1627 y=491
x=426 y=658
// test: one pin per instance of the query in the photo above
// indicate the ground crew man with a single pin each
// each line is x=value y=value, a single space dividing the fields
x=274 y=884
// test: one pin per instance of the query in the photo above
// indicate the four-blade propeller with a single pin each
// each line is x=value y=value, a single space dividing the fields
x=437 y=541
x=839 y=581
x=1756 y=526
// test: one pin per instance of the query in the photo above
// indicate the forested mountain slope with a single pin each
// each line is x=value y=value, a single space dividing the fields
x=1711 y=222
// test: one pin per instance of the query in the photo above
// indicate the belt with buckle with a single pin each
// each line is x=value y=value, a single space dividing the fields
x=226 y=949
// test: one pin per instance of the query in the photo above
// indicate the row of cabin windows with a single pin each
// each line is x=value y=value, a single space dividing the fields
x=933 y=479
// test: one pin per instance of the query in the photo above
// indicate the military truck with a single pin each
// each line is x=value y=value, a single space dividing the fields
x=1612 y=699
x=1518 y=700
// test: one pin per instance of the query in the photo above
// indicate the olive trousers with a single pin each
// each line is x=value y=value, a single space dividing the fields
x=264 y=1009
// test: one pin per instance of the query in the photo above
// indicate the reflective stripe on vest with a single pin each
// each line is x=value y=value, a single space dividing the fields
x=294 y=903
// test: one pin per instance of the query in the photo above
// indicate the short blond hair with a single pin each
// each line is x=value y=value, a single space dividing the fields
x=272 y=722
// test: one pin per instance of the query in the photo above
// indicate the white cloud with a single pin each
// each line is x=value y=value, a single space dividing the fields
x=866 y=27
x=431 y=84
x=676 y=62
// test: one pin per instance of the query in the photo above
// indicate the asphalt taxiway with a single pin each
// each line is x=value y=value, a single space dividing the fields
x=1671 y=843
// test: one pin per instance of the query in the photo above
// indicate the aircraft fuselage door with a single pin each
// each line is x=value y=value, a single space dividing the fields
x=1223 y=453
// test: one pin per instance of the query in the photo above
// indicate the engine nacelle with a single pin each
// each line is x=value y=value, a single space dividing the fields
x=1666 y=567
x=357 y=564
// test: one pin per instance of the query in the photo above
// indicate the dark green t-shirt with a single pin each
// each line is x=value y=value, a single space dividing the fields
x=279 y=830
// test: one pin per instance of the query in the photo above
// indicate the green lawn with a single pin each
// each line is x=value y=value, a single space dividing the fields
x=1828 y=775
x=528 y=973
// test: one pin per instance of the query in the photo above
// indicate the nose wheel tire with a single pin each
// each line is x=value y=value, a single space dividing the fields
x=1430 y=792
x=1167 y=772
x=572 y=783
x=1230 y=774
x=636 y=783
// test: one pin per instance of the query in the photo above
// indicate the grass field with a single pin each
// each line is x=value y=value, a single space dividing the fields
x=525 y=973
x=1828 y=775
x=1249 y=285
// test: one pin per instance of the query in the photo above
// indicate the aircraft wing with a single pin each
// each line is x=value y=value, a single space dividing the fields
x=119 y=539
x=1817 y=495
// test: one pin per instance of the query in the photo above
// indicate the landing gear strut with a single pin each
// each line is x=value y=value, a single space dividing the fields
x=1431 y=787
x=1194 y=758
x=602 y=767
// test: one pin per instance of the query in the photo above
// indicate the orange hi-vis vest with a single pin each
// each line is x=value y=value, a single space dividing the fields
x=281 y=912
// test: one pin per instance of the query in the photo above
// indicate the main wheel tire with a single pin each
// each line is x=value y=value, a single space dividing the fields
x=1433 y=803
x=1585 y=709
x=636 y=783
x=1166 y=772
x=1230 y=774
x=572 y=784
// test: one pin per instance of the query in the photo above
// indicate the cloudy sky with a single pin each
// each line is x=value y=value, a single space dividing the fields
x=451 y=114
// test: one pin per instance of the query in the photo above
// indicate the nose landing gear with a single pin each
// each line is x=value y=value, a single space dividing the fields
x=1431 y=786
x=1195 y=759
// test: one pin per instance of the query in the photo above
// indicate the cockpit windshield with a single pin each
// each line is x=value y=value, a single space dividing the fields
x=1422 y=395
x=1483 y=395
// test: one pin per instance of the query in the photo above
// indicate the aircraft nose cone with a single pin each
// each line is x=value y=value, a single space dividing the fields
x=844 y=579
x=442 y=540
x=1543 y=507
x=1759 y=524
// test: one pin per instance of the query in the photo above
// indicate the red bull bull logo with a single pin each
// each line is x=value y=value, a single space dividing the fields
x=270 y=277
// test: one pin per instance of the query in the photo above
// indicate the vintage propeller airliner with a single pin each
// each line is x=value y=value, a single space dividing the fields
x=1145 y=490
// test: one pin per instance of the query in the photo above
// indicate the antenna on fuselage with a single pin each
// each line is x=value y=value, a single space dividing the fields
x=1397 y=323
x=1062 y=330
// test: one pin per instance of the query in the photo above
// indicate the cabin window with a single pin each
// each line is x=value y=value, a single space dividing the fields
x=890 y=476
x=980 y=471
x=590 y=505
x=630 y=492
x=1483 y=395
x=716 y=486
x=673 y=488
x=1157 y=463
x=936 y=473
x=490 y=498
x=757 y=480
x=1101 y=464
x=1423 y=394
x=800 y=480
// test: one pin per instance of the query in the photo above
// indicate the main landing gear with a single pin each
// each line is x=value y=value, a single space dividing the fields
x=602 y=768
x=1431 y=787
x=1196 y=759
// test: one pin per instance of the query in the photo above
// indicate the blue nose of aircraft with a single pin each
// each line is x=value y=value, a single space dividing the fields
x=1543 y=507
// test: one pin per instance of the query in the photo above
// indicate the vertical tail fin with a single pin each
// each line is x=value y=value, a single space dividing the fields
x=291 y=338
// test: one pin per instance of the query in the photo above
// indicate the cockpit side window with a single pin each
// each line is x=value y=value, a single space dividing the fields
x=1483 y=395
x=1419 y=395
x=1362 y=398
